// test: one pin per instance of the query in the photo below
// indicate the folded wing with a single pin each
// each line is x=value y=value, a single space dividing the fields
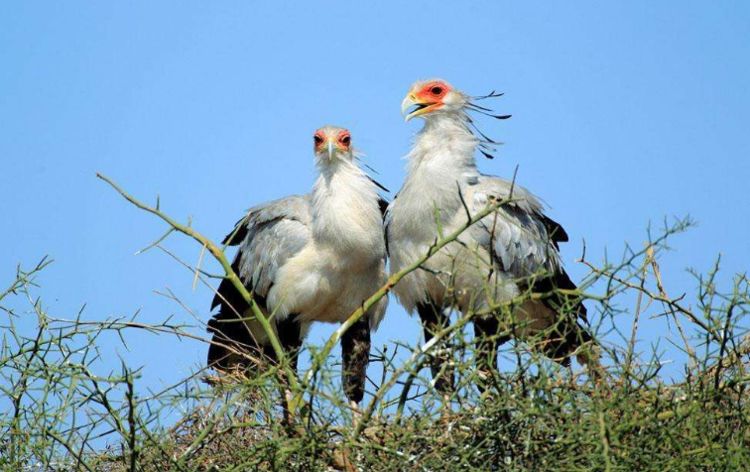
x=267 y=237
x=522 y=240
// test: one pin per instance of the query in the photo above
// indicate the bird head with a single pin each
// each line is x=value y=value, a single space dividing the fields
x=331 y=143
x=432 y=97
x=435 y=98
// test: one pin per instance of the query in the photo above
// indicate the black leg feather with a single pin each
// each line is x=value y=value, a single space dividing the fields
x=355 y=348
x=441 y=362
x=290 y=337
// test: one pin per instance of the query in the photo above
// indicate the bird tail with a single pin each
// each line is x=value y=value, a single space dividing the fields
x=232 y=339
x=569 y=336
x=232 y=344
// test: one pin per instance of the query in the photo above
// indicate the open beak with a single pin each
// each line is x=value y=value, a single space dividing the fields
x=412 y=106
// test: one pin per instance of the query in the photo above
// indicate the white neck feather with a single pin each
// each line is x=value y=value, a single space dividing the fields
x=445 y=143
x=442 y=159
x=345 y=209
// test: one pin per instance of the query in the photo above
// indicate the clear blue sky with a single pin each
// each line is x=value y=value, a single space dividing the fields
x=622 y=114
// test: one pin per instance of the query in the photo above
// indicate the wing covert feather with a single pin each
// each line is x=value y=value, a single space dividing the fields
x=516 y=234
x=271 y=233
x=522 y=240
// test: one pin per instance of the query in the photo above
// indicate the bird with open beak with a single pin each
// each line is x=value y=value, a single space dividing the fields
x=493 y=261
x=432 y=97
x=307 y=258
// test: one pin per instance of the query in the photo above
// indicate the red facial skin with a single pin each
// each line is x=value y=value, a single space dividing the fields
x=343 y=140
x=320 y=139
x=433 y=93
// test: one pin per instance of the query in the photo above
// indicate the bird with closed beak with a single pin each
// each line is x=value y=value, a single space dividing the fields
x=307 y=258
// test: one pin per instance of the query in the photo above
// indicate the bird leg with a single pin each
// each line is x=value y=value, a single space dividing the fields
x=290 y=337
x=355 y=347
x=486 y=331
x=441 y=359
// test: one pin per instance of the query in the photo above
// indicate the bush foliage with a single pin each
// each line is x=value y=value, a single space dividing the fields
x=63 y=412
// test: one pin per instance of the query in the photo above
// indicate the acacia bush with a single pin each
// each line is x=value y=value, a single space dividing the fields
x=63 y=411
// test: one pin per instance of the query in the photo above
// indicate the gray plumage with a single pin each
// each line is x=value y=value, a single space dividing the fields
x=276 y=231
x=307 y=258
x=494 y=261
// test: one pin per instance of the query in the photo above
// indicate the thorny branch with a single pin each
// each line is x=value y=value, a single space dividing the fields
x=59 y=406
x=229 y=274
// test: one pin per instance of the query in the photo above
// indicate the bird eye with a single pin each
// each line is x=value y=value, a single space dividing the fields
x=345 y=140
x=436 y=90
x=318 y=140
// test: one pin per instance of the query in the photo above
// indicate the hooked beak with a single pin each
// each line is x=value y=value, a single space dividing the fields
x=412 y=106
x=330 y=149
x=409 y=101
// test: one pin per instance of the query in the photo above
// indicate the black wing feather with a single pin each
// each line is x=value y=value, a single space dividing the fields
x=238 y=234
x=227 y=325
x=555 y=231
x=383 y=204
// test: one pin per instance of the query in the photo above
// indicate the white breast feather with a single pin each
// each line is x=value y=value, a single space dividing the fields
x=441 y=162
x=344 y=263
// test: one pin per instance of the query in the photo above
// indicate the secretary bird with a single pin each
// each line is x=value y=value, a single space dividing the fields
x=510 y=252
x=307 y=258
